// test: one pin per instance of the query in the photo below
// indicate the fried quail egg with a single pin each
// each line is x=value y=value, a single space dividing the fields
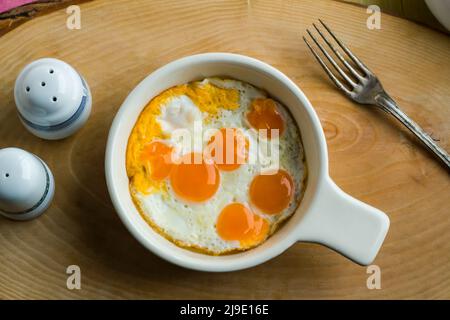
x=215 y=165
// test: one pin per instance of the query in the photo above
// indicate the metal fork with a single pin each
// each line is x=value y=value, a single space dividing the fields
x=365 y=88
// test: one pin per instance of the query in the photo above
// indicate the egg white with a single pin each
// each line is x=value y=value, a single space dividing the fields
x=194 y=224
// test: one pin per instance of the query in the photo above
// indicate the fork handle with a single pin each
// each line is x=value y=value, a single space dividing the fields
x=384 y=101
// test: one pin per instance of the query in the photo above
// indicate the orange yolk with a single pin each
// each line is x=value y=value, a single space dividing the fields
x=194 y=179
x=229 y=148
x=157 y=159
x=237 y=222
x=264 y=114
x=272 y=193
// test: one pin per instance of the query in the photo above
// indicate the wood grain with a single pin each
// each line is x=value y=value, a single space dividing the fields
x=371 y=157
x=16 y=16
x=415 y=10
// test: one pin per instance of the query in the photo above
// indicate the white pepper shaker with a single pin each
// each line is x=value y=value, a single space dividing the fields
x=53 y=100
x=26 y=184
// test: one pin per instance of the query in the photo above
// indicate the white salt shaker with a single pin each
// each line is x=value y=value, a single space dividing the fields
x=26 y=184
x=52 y=98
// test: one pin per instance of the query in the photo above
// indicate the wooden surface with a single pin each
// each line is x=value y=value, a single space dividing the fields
x=371 y=157
x=16 y=16
x=416 y=10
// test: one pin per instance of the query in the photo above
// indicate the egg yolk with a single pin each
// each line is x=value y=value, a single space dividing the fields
x=272 y=193
x=156 y=157
x=264 y=114
x=194 y=179
x=229 y=148
x=237 y=222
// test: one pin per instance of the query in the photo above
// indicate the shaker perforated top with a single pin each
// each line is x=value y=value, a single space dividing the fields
x=52 y=98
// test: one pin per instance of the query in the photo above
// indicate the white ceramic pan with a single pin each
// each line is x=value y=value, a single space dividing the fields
x=326 y=214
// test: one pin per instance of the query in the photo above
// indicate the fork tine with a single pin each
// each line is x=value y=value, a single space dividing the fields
x=355 y=59
x=339 y=55
x=333 y=63
x=327 y=70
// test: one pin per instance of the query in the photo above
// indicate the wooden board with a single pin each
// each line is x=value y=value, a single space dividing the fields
x=416 y=10
x=14 y=17
x=371 y=157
